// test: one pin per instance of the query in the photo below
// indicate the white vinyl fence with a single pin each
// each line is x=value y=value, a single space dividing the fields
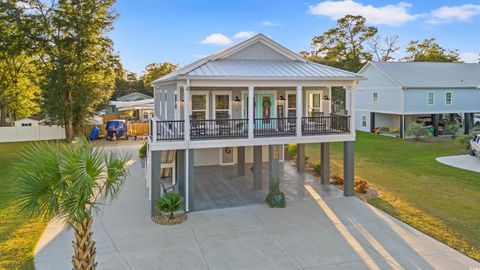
x=31 y=133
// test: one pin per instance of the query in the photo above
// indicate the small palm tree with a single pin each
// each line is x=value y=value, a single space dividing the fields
x=170 y=203
x=66 y=181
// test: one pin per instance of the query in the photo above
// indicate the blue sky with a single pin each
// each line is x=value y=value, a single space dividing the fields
x=182 y=31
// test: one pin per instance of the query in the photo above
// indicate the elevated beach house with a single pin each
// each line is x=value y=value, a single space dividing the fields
x=435 y=95
x=241 y=106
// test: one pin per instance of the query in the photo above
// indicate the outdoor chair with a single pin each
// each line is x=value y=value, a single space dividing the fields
x=167 y=189
x=197 y=127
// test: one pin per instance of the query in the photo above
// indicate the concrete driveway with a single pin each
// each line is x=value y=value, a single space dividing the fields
x=465 y=162
x=323 y=231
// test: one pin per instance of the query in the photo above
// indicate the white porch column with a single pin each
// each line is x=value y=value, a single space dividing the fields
x=186 y=110
x=299 y=110
x=351 y=110
x=250 y=112
x=162 y=104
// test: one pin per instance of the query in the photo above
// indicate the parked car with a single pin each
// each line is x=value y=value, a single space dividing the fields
x=476 y=119
x=475 y=146
x=116 y=129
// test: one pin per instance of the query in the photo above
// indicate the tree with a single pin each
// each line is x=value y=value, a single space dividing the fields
x=383 y=47
x=78 y=57
x=154 y=71
x=430 y=51
x=343 y=46
x=68 y=181
x=19 y=75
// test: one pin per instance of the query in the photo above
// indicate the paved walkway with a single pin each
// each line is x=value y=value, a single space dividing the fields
x=465 y=162
x=323 y=231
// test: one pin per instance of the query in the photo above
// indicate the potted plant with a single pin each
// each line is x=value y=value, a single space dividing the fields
x=453 y=127
x=167 y=205
x=417 y=130
x=142 y=154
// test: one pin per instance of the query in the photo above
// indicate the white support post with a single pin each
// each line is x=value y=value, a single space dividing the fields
x=250 y=112
x=154 y=128
x=186 y=110
x=352 y=109
x=299 y=110
x=162 y=104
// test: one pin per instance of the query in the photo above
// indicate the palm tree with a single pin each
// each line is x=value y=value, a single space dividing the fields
x=68 y=181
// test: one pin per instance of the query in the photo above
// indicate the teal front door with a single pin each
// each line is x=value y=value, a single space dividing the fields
x=263 y=108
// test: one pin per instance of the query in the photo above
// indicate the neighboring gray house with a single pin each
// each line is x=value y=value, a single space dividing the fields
x=136 y=106
x=433 y=94
x=242 y=105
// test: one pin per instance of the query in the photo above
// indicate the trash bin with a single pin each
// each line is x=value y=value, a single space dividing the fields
x=431 y=130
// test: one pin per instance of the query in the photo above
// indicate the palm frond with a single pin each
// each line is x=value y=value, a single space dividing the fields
x=116 y=165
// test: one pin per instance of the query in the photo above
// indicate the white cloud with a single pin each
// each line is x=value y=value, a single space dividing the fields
x=461 y=13
x=217 y=39
x=469 y=57
x=244 y=34
x=395 y=14
x=270 y=23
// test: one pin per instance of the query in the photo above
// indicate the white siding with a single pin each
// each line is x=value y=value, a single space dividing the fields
x=257 y=51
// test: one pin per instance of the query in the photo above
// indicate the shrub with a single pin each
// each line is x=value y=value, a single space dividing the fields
x=454 y=127
x=170 y=203
x=476 y=128
x=142 y=152
x=276 y=199
x=465 y=140
x=317 y=169
x=360 y=186
x=417 y=130
x=292 y=150
x=337 y=179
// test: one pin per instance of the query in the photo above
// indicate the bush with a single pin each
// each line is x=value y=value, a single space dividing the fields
x=337 y=179
x=476 y=128
x=417 y=130
x=170 y=203
x=360 y=186
x=142 y=152
x=454 y=127
x=465 y=140
x=317 y=169
x=276 y=199
x=292 y=150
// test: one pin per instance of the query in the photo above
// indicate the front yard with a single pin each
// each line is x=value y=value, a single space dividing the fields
x=437 y=199
x=18 y=235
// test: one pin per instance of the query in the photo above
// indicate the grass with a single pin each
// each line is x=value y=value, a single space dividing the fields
x=18 y=234
x=439 y=200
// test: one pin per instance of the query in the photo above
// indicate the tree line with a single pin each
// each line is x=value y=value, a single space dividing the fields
x=57 y=60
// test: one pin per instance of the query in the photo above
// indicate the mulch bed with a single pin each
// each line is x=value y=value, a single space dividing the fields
x=164 y=219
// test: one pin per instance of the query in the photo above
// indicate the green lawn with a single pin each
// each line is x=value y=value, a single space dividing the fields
x=439 y=200
x=18 y=235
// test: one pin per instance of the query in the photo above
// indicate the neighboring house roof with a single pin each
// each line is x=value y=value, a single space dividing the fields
x=133 y=97
x=146 y=104
x=258 y=57
x=430 y=74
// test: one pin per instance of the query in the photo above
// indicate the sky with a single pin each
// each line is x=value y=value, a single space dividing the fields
x=181 y=31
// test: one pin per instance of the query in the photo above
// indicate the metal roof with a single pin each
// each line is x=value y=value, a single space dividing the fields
x=431 y=74
x=219 y=66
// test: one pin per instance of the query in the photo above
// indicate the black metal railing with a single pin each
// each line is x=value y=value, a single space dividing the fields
x=274 y=127
x=170 y=130
x=218 y=129
x=325 y=125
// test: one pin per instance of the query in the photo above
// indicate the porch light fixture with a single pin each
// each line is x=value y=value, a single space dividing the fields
x=237 y=99
x=282 y=98
x=183 y=98
x=326 y=97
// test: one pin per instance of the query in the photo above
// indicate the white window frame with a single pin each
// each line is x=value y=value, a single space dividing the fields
x=222 y=93
x=433 y=98
x=289 y=93
x=364 y=121
x=309 y=101
x=377 y=99
x=451 y=97
x=207 y=96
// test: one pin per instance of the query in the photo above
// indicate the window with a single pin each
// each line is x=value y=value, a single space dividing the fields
x=375 y=97
x=26 y=124
x=448 y=98
x=364 y=120
x=222 y=105
x=291 y=105
x=315 y=104
x=431 y=98
x=199 y=106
